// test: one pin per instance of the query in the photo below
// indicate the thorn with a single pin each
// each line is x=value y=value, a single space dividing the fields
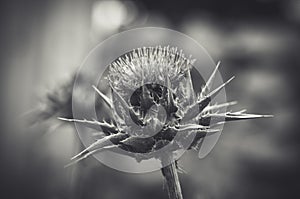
x=217 y=106
x=89 y=154
x=190 y=127
x=216 y=91
x=104 y=97
x=209 y=82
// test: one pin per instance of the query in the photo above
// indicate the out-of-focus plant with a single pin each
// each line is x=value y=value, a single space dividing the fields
x=187 y=112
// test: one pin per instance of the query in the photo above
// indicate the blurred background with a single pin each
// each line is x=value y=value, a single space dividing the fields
x=44 y=42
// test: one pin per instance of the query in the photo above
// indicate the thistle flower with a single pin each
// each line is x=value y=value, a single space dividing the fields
x=153 y=101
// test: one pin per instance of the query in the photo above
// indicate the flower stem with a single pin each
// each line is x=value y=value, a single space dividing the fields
x=172 y=180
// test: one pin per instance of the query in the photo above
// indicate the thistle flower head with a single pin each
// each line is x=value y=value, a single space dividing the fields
x=155 y=79
x=148 y=65
x=153 y=101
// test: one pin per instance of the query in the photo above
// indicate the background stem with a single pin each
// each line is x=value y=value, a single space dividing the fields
x=173 y=184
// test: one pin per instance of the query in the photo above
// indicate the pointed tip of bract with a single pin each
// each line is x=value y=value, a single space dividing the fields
x=218 y=65
x=215 y=70
x=242 y=115
x=217 y=90
x=230 y=79
x=104 y=97
x=63 y=119
x=210 y=80
x=232 y=103
x=268 y=116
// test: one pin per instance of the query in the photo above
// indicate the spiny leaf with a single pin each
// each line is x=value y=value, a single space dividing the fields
x=110 y=127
